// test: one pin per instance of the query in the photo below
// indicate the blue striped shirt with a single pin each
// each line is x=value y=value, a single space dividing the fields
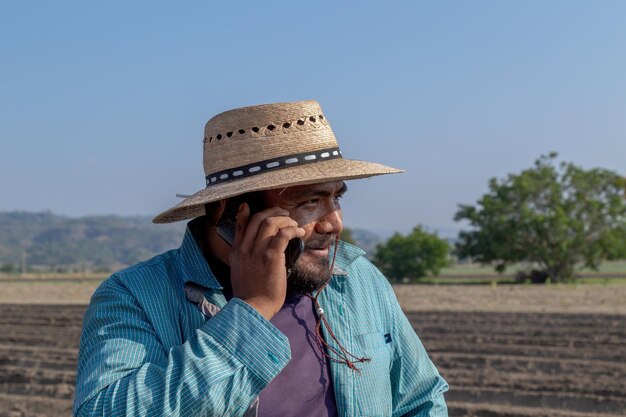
x=147 y=350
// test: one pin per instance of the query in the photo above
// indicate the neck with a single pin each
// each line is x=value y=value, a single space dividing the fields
x=214 y=250
x=215 y=246
x=216 y=255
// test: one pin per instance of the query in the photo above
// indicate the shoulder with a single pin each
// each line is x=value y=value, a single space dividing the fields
x=364 y=283
x=148 y=277
x=159 y=263
x=364 y=295
x=360 y=270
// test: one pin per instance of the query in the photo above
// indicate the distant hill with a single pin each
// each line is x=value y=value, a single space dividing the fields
x=51 y=242
x=366 y=240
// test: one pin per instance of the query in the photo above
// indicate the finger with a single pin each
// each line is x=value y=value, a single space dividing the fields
x=243 y=216
x=271 y=225
x=252 y=228
x=269 y=228
x=280 y=241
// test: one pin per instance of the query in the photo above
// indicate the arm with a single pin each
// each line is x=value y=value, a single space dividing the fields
x=417 y=386
x=124 y=369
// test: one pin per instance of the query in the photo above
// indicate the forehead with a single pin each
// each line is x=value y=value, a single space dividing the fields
x=323 y=188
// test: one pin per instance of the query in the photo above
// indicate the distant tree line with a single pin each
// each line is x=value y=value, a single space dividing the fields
x=49 y=242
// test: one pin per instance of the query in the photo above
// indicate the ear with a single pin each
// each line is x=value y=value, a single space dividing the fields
x=214 y=211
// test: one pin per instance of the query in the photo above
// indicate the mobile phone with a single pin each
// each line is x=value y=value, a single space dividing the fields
x=227 y=226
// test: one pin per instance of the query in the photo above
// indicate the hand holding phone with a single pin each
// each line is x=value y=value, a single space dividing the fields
x=258 y=258
x=227 y=227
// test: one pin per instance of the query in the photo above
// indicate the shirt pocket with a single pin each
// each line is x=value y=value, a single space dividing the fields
x=372 y=389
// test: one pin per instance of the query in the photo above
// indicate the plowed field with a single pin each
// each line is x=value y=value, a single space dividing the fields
x=38 y=351
x=498 y=363
x=528 y=364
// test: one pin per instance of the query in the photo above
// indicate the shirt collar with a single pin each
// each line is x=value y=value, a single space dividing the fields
x=194 y=266
x=346 y=255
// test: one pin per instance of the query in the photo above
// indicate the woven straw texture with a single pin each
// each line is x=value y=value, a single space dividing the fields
x=253 y=134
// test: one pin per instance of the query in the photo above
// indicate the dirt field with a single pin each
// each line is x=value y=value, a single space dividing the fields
x=589 y=298
x=506 y=351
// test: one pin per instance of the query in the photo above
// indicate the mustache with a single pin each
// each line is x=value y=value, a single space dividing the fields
x=320 y=242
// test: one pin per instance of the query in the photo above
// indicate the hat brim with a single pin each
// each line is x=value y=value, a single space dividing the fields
x=333 y=170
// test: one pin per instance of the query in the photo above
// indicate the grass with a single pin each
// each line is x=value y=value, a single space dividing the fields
x=468 y=270
x=498 y=280
x=613 y=267
x=464 y=274
x=601 y=280
x=473 y=270
x=465 y=281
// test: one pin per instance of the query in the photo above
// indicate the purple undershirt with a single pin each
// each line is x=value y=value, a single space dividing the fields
x=304 y=387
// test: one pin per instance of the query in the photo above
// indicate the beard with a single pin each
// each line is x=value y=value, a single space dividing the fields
x=309 y=273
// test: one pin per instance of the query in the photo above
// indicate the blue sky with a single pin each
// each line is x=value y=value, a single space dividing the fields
x=103 y=104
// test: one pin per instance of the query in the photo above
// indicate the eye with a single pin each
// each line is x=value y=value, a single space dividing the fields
x=309 y=203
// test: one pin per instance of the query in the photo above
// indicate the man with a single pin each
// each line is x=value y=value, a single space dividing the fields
x=218 y=328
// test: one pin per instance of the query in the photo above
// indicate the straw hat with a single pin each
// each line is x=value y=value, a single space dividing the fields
x=268 y=146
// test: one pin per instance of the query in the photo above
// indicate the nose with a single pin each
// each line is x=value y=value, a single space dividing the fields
x=331 y=223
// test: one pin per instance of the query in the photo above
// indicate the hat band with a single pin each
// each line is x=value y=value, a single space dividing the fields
x=272 y=165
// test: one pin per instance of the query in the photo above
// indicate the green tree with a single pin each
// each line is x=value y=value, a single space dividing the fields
x=555 y=217
x=413 y=256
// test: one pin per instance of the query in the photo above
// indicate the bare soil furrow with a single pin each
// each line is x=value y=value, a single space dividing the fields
x=544 y=384
x=41 y=339
x=436 y=322
x=35 y=350
x=62 y=365
x=531 y=362
x=539 y=400
x=498 y=364
x=33 y=406
x=468 y=409
x=450 y=346
x=65 y=331
x=479 y=363
x=49 y=354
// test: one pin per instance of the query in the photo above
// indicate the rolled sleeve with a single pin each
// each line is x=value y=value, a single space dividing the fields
x=257 y=344
x=125 y=370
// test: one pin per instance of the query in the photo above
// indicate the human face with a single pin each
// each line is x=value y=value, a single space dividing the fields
x=317 y=210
